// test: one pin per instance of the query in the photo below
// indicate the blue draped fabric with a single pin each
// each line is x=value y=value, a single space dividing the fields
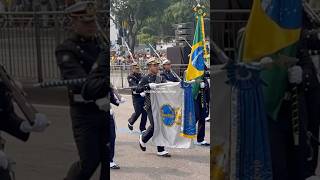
x=189 y=122
x=253 y=150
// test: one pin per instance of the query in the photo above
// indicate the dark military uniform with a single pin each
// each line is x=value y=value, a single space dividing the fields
x=169 y=76
x=76 y=58
x=144 y=86
x=310 y=62
x=9 y=122
x=138 y=101
x=202 y=109
x=291 y=161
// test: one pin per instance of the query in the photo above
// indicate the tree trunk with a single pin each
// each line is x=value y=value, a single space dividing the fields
x=131 y=37
x=132 y=42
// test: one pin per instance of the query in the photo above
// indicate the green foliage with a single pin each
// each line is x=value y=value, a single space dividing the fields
x=146 y=39
x=152 y=20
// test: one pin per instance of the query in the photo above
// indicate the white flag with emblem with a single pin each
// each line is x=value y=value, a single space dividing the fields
x=167 y=102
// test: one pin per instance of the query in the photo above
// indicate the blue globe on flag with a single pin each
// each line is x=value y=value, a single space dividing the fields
x=167 y=115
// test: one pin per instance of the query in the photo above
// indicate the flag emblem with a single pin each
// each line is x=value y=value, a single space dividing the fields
x=168 y=115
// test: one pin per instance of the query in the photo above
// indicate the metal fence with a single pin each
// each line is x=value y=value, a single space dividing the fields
x=28 y=41
x=225 y=25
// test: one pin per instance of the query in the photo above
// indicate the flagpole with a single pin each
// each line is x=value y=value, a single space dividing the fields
x=129 y=50
x=155 y=51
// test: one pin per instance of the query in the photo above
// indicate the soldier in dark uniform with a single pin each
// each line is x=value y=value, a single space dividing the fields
x=138 y=101
x=83 y=55
x=202 y=110
x=310 y=63
x=299 y=161
x=148 y=83
x=167 y=72
x=15 y=126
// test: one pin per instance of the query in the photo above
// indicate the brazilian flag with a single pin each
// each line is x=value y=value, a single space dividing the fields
x=273 y=28
x=196 y=64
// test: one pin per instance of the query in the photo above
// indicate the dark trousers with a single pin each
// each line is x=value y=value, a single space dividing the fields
x=111 y=138
x=138 y=104
x=147 y=135
x=288 y=160
x=313 y=109
x=90 y=130
x=200 y=113
x=4 y=174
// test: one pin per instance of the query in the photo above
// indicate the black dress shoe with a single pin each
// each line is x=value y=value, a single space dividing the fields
x=203 y=143
x=114 y=166
x=130 y=127
x=141 y=144
x=142 y=131
x=163 y=154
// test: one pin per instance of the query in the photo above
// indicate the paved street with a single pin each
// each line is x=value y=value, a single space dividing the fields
x=48 y=155
x=135 y=164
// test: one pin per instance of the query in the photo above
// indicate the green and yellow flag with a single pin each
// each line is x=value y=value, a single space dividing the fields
x=273 y=28
x=199 y=52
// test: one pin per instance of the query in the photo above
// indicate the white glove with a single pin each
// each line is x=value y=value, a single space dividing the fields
x=4 y=163
x=295 y=74
x=143 y=94
x=202 y=85
x=122 y=100
x=266 y=60
x=103 y=104
x=40 y=124
x=152 y=85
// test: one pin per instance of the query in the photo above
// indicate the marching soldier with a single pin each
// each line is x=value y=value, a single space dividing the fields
x=292 y=160
x=138 y=101
x=76 y=58
x=148 y=83
x=116 y=100
x=202 y=111
x=167 y=72
x=11 y=123
x=310 y=63
x=112 y=135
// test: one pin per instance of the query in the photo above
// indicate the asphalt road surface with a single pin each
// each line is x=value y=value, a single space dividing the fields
x=47 y=156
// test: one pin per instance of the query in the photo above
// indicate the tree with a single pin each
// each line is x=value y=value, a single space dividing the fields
x=147 y=38
x=151 y=20
x=134 y=14
x=162 y=25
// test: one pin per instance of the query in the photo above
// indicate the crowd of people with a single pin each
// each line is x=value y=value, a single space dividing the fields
x=140 y=58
